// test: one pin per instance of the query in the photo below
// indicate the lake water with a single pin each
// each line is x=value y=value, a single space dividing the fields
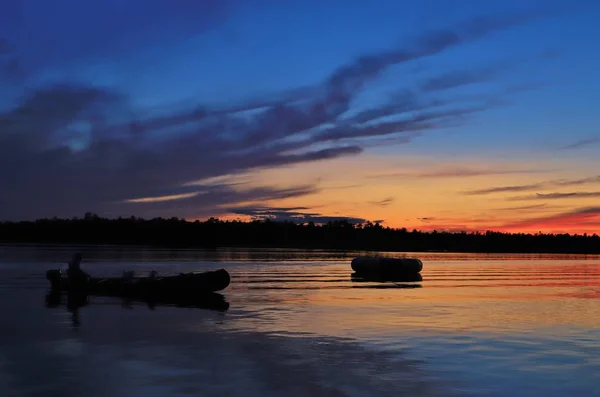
x=298 y=325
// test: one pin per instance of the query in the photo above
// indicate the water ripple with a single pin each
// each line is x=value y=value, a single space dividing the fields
x=300 y=324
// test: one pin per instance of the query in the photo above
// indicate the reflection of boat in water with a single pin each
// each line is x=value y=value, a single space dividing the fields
x=382 y=278
x=76 y=300
x=192 y=290
x=384 y=281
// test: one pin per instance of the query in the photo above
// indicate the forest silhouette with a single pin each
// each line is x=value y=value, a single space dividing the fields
x=215 y=233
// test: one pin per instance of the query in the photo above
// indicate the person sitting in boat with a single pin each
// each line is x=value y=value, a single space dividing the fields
x=74 y=272
x=128 y=276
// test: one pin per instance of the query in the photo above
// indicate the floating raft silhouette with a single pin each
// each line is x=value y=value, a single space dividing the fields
x=388 y=266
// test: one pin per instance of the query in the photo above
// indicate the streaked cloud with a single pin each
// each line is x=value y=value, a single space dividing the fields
x=574 y=182
x=162 y=198
x=525 y=207
x=555 y=196
x=586 y=218
x=459 y=78
x=503 y=189
x=383 y=203
x=216 y=200
x=581 y=143
x=456 y=172
x=535 y=186
x=82 y=146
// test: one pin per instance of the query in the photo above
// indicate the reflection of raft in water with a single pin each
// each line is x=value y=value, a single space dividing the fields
x=382 y=281
x=382 y=278
x=387 y=266
x=184 y=286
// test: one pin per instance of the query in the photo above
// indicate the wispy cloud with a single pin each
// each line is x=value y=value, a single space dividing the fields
x=455 y=172
x=502 y=189
x=163 y=198
x=527 y=218
x=575 y=182
x=587 y=218
x=554 y=196
x=383 y=203
x=524 y=207
x=78 y=147
x=459 y=78
x=535 y=186
x=216 y=200
x=581 y=143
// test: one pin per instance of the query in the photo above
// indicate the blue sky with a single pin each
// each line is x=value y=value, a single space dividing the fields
x=521 y=82
x=251 y=48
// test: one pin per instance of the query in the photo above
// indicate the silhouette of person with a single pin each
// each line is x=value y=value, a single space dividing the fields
x=75 y=275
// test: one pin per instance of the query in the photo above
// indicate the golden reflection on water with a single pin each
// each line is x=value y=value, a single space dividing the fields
x=477 y=296
x=520 y=325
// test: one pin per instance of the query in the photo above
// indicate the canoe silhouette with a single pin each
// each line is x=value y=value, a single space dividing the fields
x=180 y=286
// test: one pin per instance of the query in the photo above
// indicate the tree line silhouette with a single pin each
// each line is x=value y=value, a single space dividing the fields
x=214 y=233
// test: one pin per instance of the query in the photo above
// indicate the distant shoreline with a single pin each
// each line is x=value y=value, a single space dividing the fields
x=70 y=247
x=336 y=236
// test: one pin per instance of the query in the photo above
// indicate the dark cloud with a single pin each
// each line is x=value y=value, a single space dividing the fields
x=503 y=189
x=573 y=182
x=463 y=77
x=323 y=154
x=291 y=214
x=116 y=163
x=567 y=195
x=460 y=78
x=553 y=196
x=535 y=186
x=383 y=203
x=588 y=210
x=214 y=200
x=581 y=143
x=346 y=82
x=523 y=207
x=455 y=173
x=70 y=148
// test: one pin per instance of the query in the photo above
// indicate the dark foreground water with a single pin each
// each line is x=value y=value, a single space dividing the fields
x=298 y=325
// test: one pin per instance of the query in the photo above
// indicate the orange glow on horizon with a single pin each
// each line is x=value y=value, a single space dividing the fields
x=418 y=193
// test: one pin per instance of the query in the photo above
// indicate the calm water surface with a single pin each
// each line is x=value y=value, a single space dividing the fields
x=299 y=325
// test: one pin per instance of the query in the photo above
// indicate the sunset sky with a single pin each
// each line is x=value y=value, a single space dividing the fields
x=437 y=114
